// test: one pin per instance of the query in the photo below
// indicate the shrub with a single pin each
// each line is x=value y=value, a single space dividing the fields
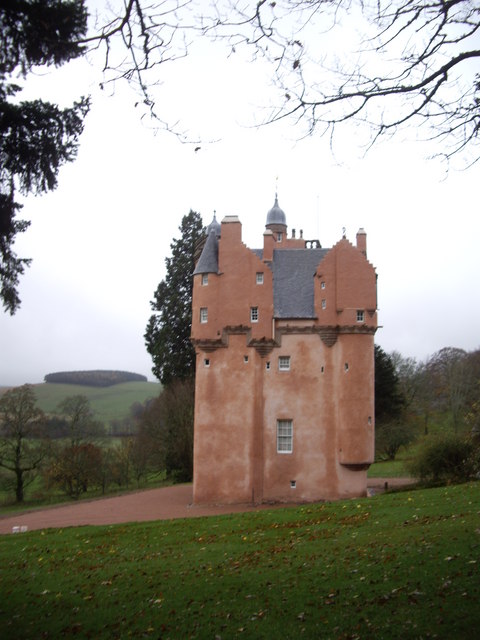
x=451 y=459
x=390 y=436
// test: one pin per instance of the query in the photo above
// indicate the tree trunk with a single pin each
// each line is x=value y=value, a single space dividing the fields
x=19 y=493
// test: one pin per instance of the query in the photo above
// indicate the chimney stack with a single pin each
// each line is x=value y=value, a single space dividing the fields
x=362 y=241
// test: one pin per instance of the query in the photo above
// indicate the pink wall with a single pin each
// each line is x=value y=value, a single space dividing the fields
x=328 y=392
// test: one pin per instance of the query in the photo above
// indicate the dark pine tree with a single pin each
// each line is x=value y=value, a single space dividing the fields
x=36 y=137
x=389 y=402
x=167 y=335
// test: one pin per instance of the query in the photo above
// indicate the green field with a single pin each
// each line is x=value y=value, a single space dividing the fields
x=400 y=565
x=108 y=403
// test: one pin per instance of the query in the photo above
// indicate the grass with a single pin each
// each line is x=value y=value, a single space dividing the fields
x=389 y=469
x=108 y=403
x=400 y=565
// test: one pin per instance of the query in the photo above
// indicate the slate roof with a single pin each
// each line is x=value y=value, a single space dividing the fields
x=293 y=271
x=208 y=261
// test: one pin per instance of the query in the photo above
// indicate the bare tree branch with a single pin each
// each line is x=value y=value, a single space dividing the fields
x=384 y=63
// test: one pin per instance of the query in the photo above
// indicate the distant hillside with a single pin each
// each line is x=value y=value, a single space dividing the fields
x=108 y=403
x=98 y=378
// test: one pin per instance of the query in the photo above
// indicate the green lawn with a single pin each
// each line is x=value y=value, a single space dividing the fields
x=108 y=403
x=389 y=469
x=400 y=565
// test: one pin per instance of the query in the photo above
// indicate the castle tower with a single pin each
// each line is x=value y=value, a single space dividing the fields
x=284 y=397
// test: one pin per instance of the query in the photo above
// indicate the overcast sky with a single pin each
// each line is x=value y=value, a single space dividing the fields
x=100 y=240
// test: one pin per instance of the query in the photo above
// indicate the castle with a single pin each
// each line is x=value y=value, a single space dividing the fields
x=284 y=341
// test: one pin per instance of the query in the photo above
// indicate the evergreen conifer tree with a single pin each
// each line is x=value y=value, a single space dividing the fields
x=167 y=335
x=36 y=137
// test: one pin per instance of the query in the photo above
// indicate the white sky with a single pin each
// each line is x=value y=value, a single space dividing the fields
x=99 y=241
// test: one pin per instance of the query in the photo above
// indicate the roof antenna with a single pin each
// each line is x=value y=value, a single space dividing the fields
x=344 y=231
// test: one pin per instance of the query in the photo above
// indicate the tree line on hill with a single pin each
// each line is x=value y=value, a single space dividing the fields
x=96 y=378
x=69 y=450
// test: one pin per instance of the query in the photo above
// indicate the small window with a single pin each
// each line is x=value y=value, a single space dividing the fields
x=253 y=314
x=260 y=277
x=324 y=304
x=203 y=315
x=284 y=363
x=267 y=366
x=206 y=362
x=346 y=367
x=322 y=369
x=360 y=315
x=204 y=279
x=245 y=359
x=279 y=236
x=323 y=285
x=293 y=484
x=284 y=436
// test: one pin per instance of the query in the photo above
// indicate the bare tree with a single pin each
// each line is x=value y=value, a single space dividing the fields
x=387 y=63
x=22 y=448
x=453 y=379
x=81 y=423
x=136 y=37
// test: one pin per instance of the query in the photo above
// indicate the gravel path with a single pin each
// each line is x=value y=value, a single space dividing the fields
x=153 y=504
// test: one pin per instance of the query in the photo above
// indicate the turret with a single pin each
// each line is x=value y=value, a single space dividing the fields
x=277 y=221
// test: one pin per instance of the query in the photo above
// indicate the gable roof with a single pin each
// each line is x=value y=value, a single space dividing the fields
x=293 y=271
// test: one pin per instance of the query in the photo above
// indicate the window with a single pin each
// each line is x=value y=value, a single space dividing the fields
x=279 y=236
x=203 y=315
x=346 y=367
x=324 y=304
x=284 y=363
x=360 y=315
x=267 y=366
x=323 y=285
x=206 y=362
x=293 y=484
x=245 y=359
x=284 y=436
x=260 y=277
x=204 y=279
x=253 y=314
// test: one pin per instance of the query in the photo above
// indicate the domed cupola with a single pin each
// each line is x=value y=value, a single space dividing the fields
x=276 y=215
x=277 y=221
x=214 y=226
